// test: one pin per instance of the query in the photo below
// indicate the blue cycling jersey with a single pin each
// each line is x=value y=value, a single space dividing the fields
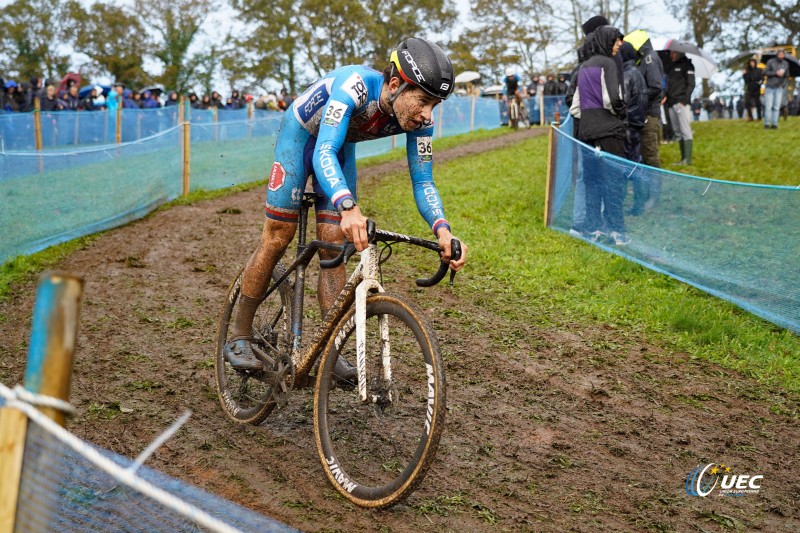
x=318 y=135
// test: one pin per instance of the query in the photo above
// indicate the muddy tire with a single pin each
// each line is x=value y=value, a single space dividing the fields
x=377 y=452
x=244 y=396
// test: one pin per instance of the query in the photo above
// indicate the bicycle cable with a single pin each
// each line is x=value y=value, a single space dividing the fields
x=381 y=260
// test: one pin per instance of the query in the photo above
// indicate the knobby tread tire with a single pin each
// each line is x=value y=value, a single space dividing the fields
x=399 y=488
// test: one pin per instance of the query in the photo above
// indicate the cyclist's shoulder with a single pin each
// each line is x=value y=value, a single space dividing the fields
x=359 y=82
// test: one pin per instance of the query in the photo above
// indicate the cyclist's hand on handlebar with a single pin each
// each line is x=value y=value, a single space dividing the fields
x=445 y=238
x=354 y=227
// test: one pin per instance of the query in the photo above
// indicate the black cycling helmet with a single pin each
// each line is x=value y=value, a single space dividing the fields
x=423 y=64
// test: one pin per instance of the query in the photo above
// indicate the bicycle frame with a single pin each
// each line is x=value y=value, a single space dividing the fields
x=363 y=280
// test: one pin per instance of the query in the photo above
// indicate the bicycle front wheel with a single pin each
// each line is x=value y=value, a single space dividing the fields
x=376 y=452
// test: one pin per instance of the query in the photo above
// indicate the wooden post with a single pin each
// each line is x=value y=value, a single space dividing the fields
x=138 y=126
x=77 y=115
x=439 y=129
x=187 y=145
x=550 y=190
x=472 y=114
x=37 y=122
x=541 y=109
x=118 y=132
x=216 y=130
x=49 y=373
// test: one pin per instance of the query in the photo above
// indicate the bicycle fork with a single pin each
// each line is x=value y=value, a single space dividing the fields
x=370 y=270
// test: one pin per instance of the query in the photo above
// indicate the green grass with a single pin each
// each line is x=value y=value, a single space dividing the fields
x=736 y=150
x=519 y=269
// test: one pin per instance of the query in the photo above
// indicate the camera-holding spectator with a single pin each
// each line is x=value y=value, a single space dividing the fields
x=13 y=100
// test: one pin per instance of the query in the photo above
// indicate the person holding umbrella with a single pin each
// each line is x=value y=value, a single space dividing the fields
x=777 y=73
x=680 y=84
x=753 y=76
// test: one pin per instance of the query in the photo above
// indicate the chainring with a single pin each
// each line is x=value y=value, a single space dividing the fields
x=283 y=382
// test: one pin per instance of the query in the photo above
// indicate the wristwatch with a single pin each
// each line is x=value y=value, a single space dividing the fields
x=346 y=205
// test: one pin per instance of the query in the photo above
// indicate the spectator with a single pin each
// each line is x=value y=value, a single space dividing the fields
x=753 y=76
x=599 y=104
x=172 y=99
x=550 y=86
x=72 y=101
x=238 y=100
x=34 y=92
x=87 y=102
x=653 y=72
x=697 y=106
x=635 y=93
x=50 y=102
x=285 y=100
x=205 y=103
x=128 y=101
x=777 y=73
x=680 y=84
x=115 y=96
x=148 y=102
x=13 y=100
x=136 y=96
x=561 y=85
x=579 y=227
x=216 y=100
x=194 y=101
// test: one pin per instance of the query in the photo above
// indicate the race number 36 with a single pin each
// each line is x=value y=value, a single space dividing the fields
x=424 y=148
x=334 y=113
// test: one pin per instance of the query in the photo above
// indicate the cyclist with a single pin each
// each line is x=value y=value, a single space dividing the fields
x=512 y=82
x=317 y=139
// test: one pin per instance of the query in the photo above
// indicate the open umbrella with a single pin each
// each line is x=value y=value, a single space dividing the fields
x=704 y=65
x=72 y=77
x=467 y=76
x=740 y=60
x=493 y=90
x=156 y=90
x=84 y=92
x=794 y=65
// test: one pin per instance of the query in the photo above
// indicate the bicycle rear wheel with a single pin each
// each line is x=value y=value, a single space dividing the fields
x=246 y=396
x=377 y=452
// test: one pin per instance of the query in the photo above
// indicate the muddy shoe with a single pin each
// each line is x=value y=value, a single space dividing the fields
x=345 y=375
x=240 y=355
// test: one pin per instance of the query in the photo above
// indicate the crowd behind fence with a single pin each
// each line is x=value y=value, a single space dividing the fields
x=726 y=238
x=50 y=196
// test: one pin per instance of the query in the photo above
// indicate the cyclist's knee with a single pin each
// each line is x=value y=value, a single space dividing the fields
x=329 y=233
x=276 y=236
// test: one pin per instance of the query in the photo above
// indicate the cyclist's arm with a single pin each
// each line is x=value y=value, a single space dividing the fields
x=419 y=152
x=330 y=139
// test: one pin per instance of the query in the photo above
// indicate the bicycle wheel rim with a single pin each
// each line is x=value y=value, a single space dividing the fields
x=376 y=457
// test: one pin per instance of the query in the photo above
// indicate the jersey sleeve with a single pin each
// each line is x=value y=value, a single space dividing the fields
x=419 y=152
x=346 y=96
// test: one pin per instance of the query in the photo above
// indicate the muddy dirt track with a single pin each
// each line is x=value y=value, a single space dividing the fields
x=571 y=427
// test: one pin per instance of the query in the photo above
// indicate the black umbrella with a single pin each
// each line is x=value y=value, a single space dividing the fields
x=155 y=90
x=740 y=60
x=794 y=65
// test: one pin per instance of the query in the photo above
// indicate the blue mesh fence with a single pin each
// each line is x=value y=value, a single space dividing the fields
x=17 y=131
x=230 y=153
x=49 y=198
x=52 y=196
x=734 y=240
x=61 y=490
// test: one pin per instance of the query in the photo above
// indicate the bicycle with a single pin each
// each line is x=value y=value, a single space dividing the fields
x=375 y=438
x=513 y=112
